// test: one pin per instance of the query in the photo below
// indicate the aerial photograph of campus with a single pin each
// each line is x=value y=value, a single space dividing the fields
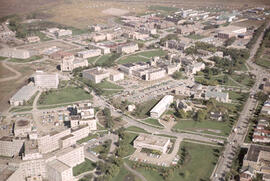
x=134 y=90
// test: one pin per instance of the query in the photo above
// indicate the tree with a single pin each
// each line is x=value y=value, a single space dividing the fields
x=200 y=115
x=177 y=75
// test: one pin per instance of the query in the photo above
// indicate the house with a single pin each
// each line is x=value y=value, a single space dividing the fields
x=217 y=95
x=216 y=116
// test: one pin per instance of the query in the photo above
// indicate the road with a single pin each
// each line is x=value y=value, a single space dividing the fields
x=16 y=76
x=237 y=138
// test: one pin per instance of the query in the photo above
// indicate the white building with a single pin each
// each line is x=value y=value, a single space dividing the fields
x=46 y=80
x=63 y=32
x=161 y=107
x=33 y=39
x=14 y=53
x=128 y=48
x=194 y=68
x=116 y=75
x=217 y=95
x=23 y=95
x=89 y=53
x=96 y=74
x=59 y=171
x=152 y=142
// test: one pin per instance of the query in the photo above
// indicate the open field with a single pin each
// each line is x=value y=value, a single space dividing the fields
x=65 y=95
x=152 y=121
x=198 y=164
x=87 y=165
x=5 y=72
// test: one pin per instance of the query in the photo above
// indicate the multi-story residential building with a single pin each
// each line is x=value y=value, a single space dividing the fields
x=11 y=146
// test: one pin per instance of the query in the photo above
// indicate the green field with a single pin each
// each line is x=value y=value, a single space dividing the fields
x=108 y=85
x=92 y=59
x=123 y=174
x=89 y=137
x=152 y=121
x=141 y=56
x=110 y=92
x=193 y=125
x=264 y=62
x=142 y=109
x=215 y=80
x=195 y=36
x=65 y=95
x=136 y=129
x=243 y=79
x=87 y=165
x=103 y=59
x=31 y=59
x=163 y=8
x=132 y=59
x=198 y=164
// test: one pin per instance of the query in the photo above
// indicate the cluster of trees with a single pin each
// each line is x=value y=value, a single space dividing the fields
x=255 y=36
x=177 y=75
x=200 y=115
x=168 y=37
x=265 y=44
x=111 y=60
x=229 y=41
x=108 y=117
x=110 y=168
x=87 y=177
x=123 y=144
x=179 y=113
x=16 y=26
x=208 y=27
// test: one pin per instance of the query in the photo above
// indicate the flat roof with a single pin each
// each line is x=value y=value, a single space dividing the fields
x=254 y=151
x=58 y=165
x=152 y=140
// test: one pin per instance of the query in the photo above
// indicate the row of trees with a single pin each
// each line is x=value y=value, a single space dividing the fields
x=255 y=36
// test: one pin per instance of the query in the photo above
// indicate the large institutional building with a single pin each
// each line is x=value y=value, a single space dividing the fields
x=46 y=80
x=152 y=142
x=161 y=107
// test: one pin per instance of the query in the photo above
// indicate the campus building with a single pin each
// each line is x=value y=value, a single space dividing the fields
x=162 y=105
x=89 y=53
x=10 y=146
x=96 y=74
x=46 y=80
x=23 y=95
x=152 y=142
x=128 y=48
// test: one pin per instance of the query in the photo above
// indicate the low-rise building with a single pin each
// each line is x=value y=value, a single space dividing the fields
x=96 y=74
x=89 y=53
x=46 y=80
x=162 y=105
x=63 y=32
x=152 y=142
x=14 y=53
x=194 y=68
x=116 y=75
x=33 y=39
x=231 y=31
x=22 y=128
x=128 y=48
x=261 y=133
x=256 y=161
x=217 y=95
x=23 y=95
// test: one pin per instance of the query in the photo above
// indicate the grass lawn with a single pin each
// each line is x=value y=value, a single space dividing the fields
x=65 y=95
x=109 y=92
x=92 y=59
x=199 y=163
x=89 y=137
x=195 y=36
x=42 y=36
x=136 y=129
x=215 y=80
x=103 y=59
x=3 y=58
x=243 y=79
x=20 y=109
x=152 y=122
x=153 y=53
x=31 y=59
x=123 y=174
x=87 y=165
x=130 y=137
x=237 y=96
x=108 y=85
x=264 y=62
x=142 y=110
x=163 y=8
x=192 y=125
x=132 y=59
